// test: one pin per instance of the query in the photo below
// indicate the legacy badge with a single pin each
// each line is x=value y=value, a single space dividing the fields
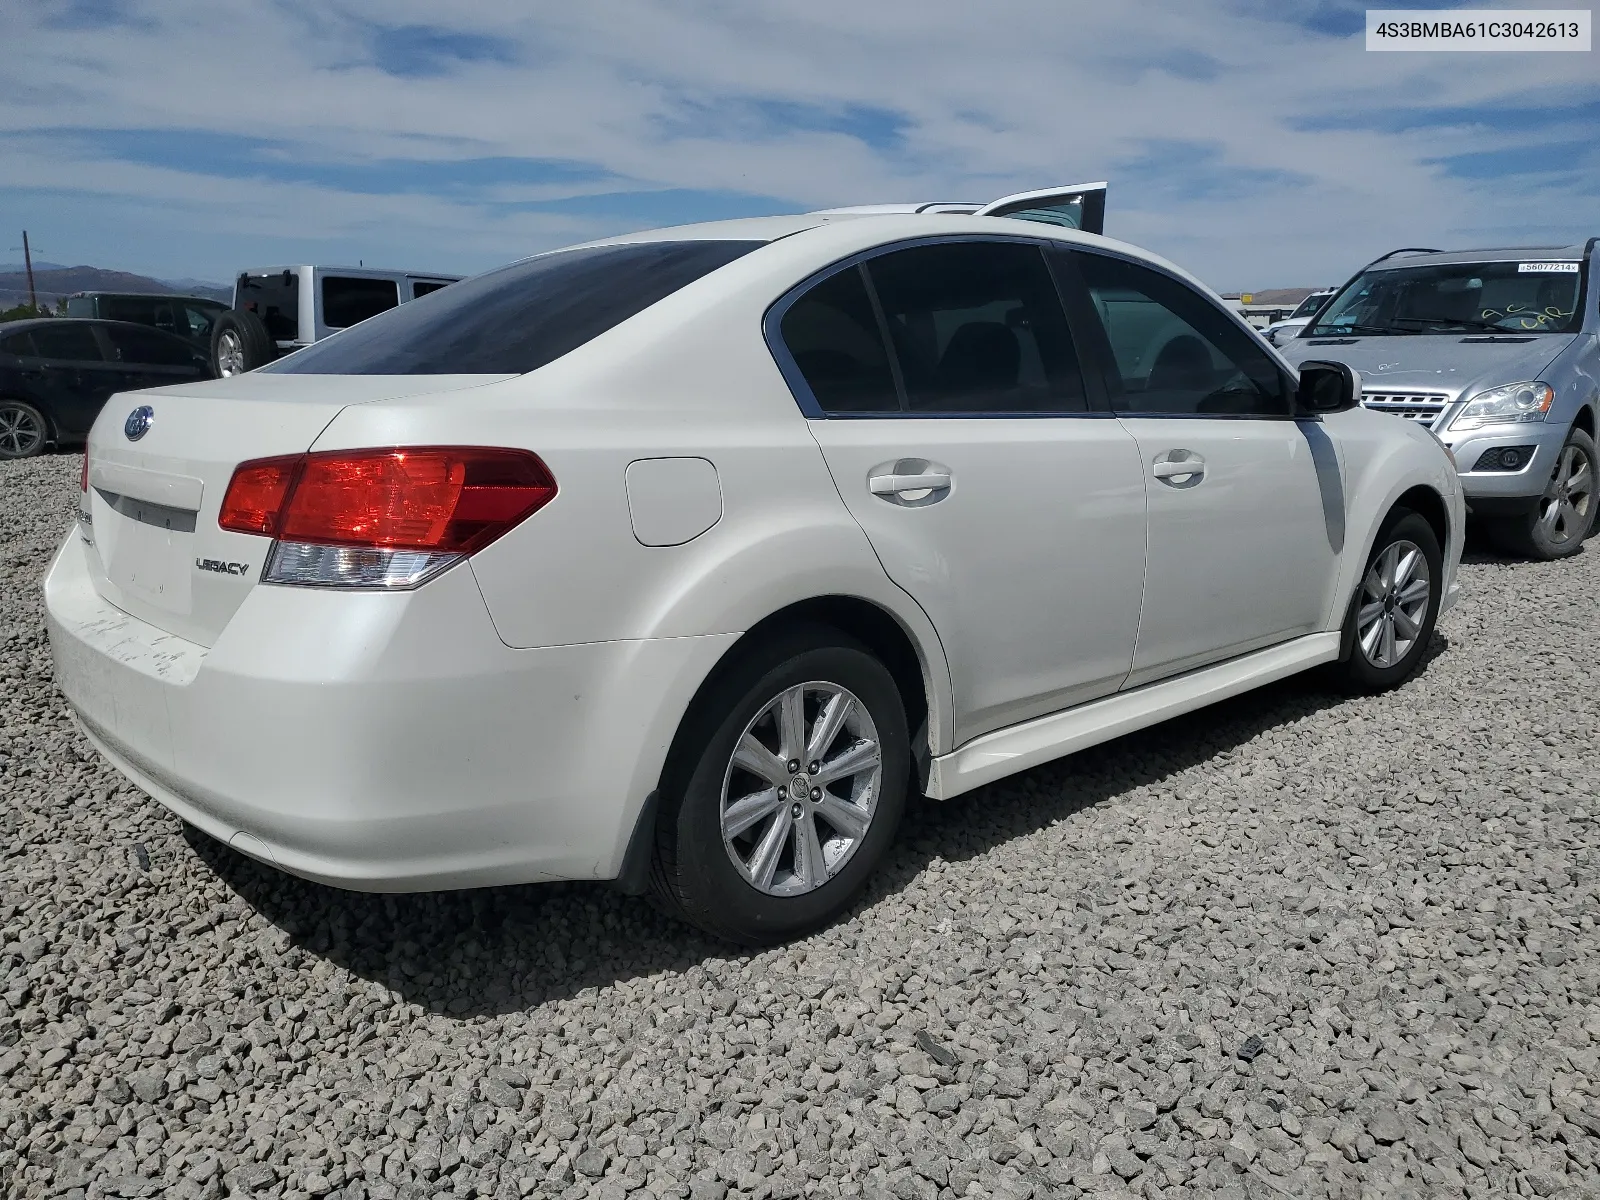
x=222 y=568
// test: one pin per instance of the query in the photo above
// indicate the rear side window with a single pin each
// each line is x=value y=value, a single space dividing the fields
x=347 y=301
x=80 y=306
x=978 y=328
x=19 y=344
x=518 y=318
x=422 y=287
x=146 y=347
x=68 y=342
x=833 y=337
x=275 y=298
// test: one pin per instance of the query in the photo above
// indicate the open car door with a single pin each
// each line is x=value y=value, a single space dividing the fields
x=1076 y=206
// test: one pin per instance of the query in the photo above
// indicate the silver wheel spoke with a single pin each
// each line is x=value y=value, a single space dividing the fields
x=1580 y=481
x=1414 y=591
x=860 y=757
x=1407 y=627
x=843 y=816
x=764 y=862
x=829 y=722
x=810 y=868
x=792 y=723
x=1370 y=639
x=1407 y=568
x=1369 y=613
x=750 y=810
x=1386 y=642
x=1552 y=512
x=752 y=756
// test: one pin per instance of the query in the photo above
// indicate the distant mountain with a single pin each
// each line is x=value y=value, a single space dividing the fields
x=38 y=265
x=53 y=282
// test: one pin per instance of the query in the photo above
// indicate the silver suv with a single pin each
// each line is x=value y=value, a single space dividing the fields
x=278 y=310
x=1498 y=353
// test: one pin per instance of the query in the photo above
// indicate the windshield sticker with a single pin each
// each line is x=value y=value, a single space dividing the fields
x=1534 y=320
x=1563 y=268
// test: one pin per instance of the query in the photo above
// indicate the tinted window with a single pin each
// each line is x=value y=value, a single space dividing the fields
x=1173 y=350
x=420 y=287
x=833 y=337
x=17 y=343
x=71 y=343
x=518 y=318
x=978 y=327
x=200 y=319
x=347 y=301
x=275 y=298
x=80 y=306
x=147 y=347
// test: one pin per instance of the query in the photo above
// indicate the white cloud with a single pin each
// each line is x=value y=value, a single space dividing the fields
x=988 y=98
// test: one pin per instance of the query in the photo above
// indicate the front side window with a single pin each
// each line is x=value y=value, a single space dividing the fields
x=977 y=327
x=19 y=344
x=275 y=298
x=1173 y=352
x=67 y=342
x=1455 y=298
x=518 y=318
x=1308 y=307
x=348 y=301
x=200 y=319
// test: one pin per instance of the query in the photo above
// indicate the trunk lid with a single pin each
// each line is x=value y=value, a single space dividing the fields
x=153 y=498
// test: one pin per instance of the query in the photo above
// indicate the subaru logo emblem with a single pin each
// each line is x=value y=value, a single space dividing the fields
x=138 y=422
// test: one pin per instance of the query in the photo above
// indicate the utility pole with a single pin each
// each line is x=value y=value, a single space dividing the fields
x=27 y=259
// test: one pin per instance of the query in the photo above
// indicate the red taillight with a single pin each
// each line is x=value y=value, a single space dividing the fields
x=448 y=499
x=255 y=496
x=83 y=484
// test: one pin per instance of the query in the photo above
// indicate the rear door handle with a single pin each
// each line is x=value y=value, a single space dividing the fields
x=894 y=485
x=1178 y=465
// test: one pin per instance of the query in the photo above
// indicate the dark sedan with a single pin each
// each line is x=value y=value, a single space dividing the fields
x=56 y=373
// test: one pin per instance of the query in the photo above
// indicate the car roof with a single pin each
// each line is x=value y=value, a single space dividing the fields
x=868 y=229
x=1572 y=253
x=323 y=267
x=147 y=296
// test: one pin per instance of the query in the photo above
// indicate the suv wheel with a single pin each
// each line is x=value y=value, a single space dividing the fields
x=239 y=343
x=1395 y=607
x=1565 y=513
x=800 y=761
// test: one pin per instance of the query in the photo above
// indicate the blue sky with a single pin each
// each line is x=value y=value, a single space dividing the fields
x=1253 y=141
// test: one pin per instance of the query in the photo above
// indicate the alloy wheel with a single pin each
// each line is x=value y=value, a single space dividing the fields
x=1394 y=605
x=21 y=431
x=1567 y=508
x=801 y=789
x=230 y=354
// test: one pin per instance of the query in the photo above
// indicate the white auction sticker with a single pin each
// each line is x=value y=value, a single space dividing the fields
x=1478 y=29
x=1565 y=268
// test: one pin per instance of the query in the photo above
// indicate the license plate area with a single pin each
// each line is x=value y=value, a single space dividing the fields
x=145 y=549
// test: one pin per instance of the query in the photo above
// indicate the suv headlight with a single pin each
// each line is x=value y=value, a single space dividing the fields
x=1509 y=405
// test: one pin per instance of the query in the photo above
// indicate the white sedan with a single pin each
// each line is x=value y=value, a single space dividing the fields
x=679 y=559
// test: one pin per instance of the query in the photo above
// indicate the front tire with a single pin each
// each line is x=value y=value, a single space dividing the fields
x=790 y=786
x=1395 y=608
x=1564 y=515
x=24 y=430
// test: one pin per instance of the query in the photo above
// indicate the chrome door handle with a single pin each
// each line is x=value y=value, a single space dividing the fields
x=894 y=485
x=1171 y=468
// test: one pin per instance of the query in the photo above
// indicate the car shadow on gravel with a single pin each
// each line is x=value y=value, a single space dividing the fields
x=492 y=951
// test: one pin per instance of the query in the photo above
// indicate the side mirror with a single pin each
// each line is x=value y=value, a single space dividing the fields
x=1326 y=387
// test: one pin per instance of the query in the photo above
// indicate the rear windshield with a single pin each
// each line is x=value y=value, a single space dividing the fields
x=275 y=298
x=518 y=318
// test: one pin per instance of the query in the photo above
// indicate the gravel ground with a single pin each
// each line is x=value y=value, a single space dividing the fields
x=1294 y=945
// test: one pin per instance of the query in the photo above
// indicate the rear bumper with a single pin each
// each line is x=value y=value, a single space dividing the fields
x=379 y=742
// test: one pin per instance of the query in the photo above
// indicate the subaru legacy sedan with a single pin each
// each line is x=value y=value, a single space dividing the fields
x=680 y=559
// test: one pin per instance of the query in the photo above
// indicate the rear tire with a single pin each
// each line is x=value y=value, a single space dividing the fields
x=778 y=839
x=1565 y=514
x=1396 y=605
x=239 y=343
x=24 y=430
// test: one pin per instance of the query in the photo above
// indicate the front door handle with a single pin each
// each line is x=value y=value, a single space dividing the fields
x=1179 y=468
